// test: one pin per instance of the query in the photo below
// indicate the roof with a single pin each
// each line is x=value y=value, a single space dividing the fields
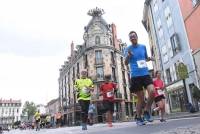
x=10 y=101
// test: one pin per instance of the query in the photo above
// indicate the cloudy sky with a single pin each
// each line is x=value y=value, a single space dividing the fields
x=35 y=37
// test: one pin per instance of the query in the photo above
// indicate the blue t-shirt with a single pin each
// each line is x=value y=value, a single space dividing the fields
x=137 y=61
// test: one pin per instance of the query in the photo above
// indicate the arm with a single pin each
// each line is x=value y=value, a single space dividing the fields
x=128 y=57
x=148 y=58
x=91 y=87
x=127 y=54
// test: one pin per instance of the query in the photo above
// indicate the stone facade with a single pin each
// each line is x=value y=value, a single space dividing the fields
x=100 y=54
x=10 y=111
x=52 y=108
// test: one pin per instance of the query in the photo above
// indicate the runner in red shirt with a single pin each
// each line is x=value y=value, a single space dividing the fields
x=159 y=95
x=107 y=89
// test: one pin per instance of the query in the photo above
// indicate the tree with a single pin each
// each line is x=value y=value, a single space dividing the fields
x=29 y=109
x=196 y=93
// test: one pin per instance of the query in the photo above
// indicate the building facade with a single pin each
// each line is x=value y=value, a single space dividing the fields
x=190 y=10
x=169 y=43
x=100 y=54
x=52 y=108
x=41 y=108
x=196 y=55
x=10 y=111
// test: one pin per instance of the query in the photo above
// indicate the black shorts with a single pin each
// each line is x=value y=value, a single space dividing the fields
x=109 y=105
x=140 y=82
x=37 y=121
x=159 y=98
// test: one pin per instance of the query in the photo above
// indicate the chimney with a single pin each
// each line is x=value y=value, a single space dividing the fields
x=72 y=49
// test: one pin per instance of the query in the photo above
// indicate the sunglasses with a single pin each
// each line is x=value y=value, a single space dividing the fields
x=132 y=36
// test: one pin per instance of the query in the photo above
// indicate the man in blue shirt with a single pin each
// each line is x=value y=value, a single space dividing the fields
x=136 y=57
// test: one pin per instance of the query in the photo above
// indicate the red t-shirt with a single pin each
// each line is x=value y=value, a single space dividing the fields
x=107 y=89
x=159 y=87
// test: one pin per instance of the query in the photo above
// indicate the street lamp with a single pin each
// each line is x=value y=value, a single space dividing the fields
x=74 y=93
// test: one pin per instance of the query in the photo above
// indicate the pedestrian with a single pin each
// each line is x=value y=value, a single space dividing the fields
x=84 y=87
x=91 y=112
x=159 y=95
x=136 y=57
x=107 y=89
x=37 y=118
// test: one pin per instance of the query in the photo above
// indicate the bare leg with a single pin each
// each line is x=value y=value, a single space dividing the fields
x=140 y=95
x=150 y=98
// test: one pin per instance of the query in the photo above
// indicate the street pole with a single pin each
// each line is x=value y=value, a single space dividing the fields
x=185 y=90
x=74 y=108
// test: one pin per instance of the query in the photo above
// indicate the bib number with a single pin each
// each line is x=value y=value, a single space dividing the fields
x=160 y=92
x=141 y=64
x=85 y=90
x=109 y=94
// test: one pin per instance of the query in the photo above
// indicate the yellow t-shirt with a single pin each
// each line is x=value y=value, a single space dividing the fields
x=37 y=116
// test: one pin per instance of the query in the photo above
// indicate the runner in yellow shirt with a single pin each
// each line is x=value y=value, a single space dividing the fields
x=83 y=87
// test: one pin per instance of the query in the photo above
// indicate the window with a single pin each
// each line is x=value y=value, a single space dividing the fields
x=78 y=70
x=112 y=58
x=164 y=54
x=160 y=30
x=168 y=17
x=169 y=48
x=122 y=62
x=85 y=61
x=123 y=77
x=125 y=93
x=168 y=75
x=175 y=43
x=97 y=40
x=73 y=73
x=195 y=2
x=98 y=57
x=100 y=73
x=113 y=74
x=127 y=108
x=111 y=42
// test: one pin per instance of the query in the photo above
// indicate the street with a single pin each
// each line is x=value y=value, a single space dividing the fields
x=173 y=126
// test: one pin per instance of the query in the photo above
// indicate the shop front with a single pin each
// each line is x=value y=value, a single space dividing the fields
x=176 y=96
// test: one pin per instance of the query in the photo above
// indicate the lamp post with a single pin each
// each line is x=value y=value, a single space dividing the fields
x=74 y=93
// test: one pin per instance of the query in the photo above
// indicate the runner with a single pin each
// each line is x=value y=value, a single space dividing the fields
x=91 y=112
x=37 y=120
x=136 y=56
x=83 y=87
x=107 y=90
x=159 y=95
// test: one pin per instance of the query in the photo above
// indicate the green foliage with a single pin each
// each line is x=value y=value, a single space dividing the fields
x=196 y=93
x=29 y=109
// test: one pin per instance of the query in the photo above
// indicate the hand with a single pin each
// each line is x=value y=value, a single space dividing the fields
x=130 y=53
x=150 y=58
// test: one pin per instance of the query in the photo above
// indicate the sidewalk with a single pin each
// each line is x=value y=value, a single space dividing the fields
x=180 y=115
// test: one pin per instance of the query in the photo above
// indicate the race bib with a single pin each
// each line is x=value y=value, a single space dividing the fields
x=109 y=94
x=160 y=92
x=141 y=64
x=85 y=90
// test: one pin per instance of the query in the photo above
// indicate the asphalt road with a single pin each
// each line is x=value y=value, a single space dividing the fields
x=173 y=126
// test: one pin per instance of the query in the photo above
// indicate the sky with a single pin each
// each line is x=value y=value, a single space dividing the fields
x=35 y=38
